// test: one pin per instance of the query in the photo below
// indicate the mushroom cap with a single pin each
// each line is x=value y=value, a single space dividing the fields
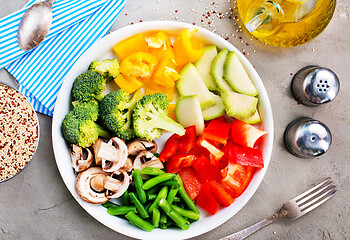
x=83 y=187
x=147 y=159
x=113 y=154
x=139 y=145
x=81 y=158
x=117 y=184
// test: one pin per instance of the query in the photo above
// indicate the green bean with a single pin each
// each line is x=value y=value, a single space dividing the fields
x=109 y=204
x=126 y=198
x=141 y=194
x=153 y=190
x=163 y=226
x=181 y=205
x=140 y=208
x=175 y=216
x=158 y=179
x=155 y=217
x=162 y=194
x=171 y=195
x=151 y=196
x=137 y=221
x=147 y=205
x=182 y=192
x=186 y=213
x=173 y=183
x=152 y=171
x=163 y=217
x=122 y=210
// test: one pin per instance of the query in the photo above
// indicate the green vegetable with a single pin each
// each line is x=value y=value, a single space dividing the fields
x=109 y=68
x=89 y=85
x=172 y=183
x=140 y=208
x=110 y=204
x=86 y=110
x=126 y=198
x=116 y=112
x=122 y=210
x=186 y=213
x=162 y=194
x=141 y=194
x=137 y=221
x=150 y=117
x=157 y=180
x=152 y=171
x=81 y=132
x=182 y=192
x=172 y=194
x=155 y=217
x=175 y=216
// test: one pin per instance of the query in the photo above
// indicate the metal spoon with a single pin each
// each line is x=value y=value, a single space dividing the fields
x=35 y=25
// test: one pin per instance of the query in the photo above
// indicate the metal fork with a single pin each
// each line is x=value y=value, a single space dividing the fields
x=292 y=209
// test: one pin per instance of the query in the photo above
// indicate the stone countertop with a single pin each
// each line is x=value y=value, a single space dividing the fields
x=37 y=205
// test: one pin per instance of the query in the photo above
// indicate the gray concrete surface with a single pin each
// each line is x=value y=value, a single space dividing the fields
x=37 y=205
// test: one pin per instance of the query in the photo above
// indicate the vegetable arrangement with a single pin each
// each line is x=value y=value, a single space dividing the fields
x=207 y=159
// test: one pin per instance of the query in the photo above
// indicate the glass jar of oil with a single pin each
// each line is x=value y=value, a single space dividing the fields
x=286 y=23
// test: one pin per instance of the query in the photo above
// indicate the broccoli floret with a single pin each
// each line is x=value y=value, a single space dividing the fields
x=150 y=117
x=86 y=110
x=116 y=112
x=81 y=132
x=109 y=68
x=89 y=85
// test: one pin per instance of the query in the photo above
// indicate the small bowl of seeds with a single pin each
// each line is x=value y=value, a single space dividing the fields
x=19 y=132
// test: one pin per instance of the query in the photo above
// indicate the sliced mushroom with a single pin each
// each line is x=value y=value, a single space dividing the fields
x=128 y=166
x=147 y=159
x=96 y=148
x=84 y=188
x=139 y=145
x=81 y=158
x=117 y=184
x=113 y=154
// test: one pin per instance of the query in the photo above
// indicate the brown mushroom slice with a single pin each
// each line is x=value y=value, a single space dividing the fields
x=96 y=148
x=84 y=189
x=81 y=158
x=117 y=184
x=147 y=159
x=113 y=154
x=139 y=145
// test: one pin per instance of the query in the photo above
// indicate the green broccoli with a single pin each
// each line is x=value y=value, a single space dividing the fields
x=86 y=110
x=81 y=132
x=89 y=85
x=116 y=112
x=109 y=68
x=150 y=117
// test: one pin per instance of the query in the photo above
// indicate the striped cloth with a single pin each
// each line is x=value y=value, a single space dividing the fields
x=76 y=25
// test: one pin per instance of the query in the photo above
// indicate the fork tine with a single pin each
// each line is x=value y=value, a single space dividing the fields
x=315 y=205
x=298 y=198
x=317 y=198
x=314 y=194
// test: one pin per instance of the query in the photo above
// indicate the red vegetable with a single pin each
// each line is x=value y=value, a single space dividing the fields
x=244 y=155
x=205 y=170
x=206 y=199
x=236 y=178
x=217 y=131
x=215 y=153
x=220 y=195
x=170 y=148
x=179 y=161
x=191 y=182
x=245 y=134
x=187 y=141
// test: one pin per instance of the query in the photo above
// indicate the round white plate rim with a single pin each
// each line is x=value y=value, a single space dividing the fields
x=121 y=225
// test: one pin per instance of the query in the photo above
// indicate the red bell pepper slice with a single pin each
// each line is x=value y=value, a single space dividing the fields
x=220 y=195
x=205 y=170
x=217 y=131
x=179 y=161
x=215 y=153
x=188 y=140
x=245 y=134
x=170 y=148
x=206 y=199
x=191 y=182
x=244 y=155
x=236 y=178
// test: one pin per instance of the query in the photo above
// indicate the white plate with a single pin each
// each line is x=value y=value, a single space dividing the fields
x=103 y=49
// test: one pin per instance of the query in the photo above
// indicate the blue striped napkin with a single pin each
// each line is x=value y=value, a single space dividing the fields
x=76 y=25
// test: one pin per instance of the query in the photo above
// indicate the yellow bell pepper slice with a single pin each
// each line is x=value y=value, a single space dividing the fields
x=185 y=52
x=131 y=45
x=165 y=73
x=129 y=84
x=160 y=45
x=151 y=87
x=138 y=64
x=171 y=110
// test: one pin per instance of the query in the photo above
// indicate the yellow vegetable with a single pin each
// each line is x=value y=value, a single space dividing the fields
x=129 y=84
x=131 y=45
x=151 y=87
x=165 y=73
x=138 y=64
x=160 y=46
x=171 y=110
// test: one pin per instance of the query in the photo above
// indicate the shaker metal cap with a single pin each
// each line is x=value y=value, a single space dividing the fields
x=315 y=85
x=306 y=138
